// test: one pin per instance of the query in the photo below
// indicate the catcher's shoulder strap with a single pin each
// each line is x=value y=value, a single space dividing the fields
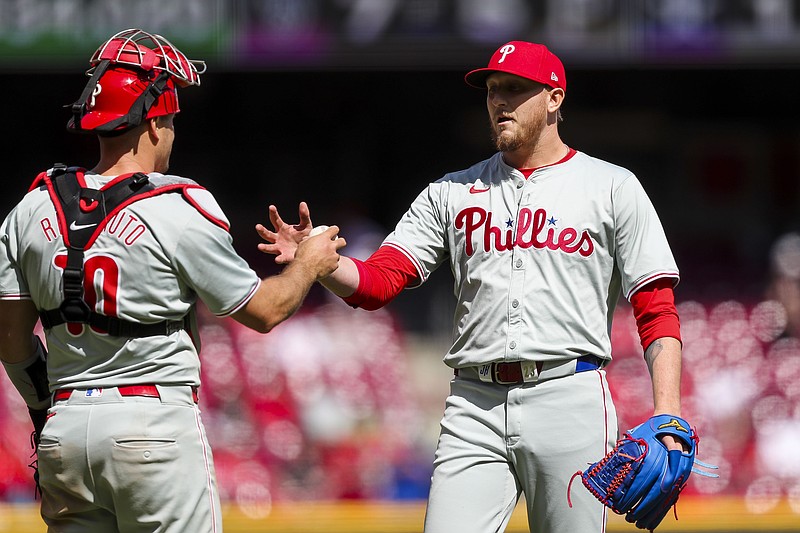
x=82 y=214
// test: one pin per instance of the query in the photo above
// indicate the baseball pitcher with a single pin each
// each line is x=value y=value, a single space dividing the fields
x=542 y=240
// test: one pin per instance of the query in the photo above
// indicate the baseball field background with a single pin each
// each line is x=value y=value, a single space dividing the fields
x=711 y=515
x=329 y=422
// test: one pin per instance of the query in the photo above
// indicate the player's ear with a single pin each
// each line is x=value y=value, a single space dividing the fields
x=152 y=128
x=556 y=98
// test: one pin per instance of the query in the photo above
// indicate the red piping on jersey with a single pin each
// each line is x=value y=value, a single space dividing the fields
x=528 y=171
x=381 y=278
x=37 y=181
x=655 y=313
x=221 y=223
x=605 y=439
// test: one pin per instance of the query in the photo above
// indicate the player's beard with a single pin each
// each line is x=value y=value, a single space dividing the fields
x=528 y=133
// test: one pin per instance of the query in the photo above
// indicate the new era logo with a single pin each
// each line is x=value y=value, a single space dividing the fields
x=553 y=76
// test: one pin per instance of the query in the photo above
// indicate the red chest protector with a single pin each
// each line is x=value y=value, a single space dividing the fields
x=83 y=213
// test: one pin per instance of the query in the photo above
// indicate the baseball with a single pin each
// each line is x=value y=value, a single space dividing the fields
x=316 y=230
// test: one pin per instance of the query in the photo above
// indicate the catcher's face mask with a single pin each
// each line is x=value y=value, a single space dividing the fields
x=134 y=77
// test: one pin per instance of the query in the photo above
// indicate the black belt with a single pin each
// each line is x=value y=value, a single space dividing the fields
x=116 y=327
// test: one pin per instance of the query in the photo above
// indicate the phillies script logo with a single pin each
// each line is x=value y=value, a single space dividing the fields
x=530 y=232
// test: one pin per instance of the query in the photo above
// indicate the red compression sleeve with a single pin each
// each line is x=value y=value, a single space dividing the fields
x=655 y=313
x=381 y=278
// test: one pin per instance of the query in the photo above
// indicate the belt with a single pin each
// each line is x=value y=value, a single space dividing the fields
x=116 y=327
x=147 y=391
x=520 y=372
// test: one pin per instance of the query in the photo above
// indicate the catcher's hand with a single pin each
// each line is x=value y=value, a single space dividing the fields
x=38 y=417
x=640 y=477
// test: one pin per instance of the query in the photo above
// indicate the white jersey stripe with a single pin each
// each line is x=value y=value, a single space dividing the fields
x=658 y=275
x=244 y=301
x=410 y=256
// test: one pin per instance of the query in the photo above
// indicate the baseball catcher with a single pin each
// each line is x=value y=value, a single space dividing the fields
x=113 y=261
x=640 y=478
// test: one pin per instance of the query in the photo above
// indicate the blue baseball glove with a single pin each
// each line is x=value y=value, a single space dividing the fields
x=640 y=478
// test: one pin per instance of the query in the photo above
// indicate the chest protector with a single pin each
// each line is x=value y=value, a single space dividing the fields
x=83 y=213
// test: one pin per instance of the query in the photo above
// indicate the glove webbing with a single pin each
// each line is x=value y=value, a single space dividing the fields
x=618 y=479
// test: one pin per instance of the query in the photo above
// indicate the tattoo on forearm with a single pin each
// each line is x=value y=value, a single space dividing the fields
x=652 y=353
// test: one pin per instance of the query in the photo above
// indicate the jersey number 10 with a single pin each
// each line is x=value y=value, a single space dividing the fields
x=100 y=284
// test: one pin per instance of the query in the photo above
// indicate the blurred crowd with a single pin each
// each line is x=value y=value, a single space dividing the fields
x=327 y=406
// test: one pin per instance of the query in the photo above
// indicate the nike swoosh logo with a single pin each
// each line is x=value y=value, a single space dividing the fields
x=76 y=227
x=473 y=190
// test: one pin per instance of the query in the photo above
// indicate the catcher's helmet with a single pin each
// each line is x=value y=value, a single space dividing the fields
x=134 y=77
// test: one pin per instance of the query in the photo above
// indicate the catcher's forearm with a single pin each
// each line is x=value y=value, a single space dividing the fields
x=277 y=298
x=29 y=376
x=17 y=320
x=663 y=358
x=22 y=353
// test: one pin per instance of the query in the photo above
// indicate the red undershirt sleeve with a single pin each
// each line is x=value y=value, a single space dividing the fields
x=381 y=278
x=655 y=313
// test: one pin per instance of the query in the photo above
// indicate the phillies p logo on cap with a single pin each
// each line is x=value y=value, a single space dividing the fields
x=505 y=50
x=527 y=60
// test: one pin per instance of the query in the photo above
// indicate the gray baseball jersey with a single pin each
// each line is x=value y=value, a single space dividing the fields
x=151 y=263
x=539 y=263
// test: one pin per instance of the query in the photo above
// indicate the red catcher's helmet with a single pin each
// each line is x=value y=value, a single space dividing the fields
x=134 y=77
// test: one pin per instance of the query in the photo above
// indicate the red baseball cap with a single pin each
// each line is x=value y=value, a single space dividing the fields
x=527 y=60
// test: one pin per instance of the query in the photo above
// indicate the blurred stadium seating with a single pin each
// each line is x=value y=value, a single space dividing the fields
x=330 y=406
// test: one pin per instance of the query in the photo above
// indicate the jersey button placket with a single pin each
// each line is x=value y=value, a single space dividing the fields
x=515 y=288
x=514 y=350
x=514 y=309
